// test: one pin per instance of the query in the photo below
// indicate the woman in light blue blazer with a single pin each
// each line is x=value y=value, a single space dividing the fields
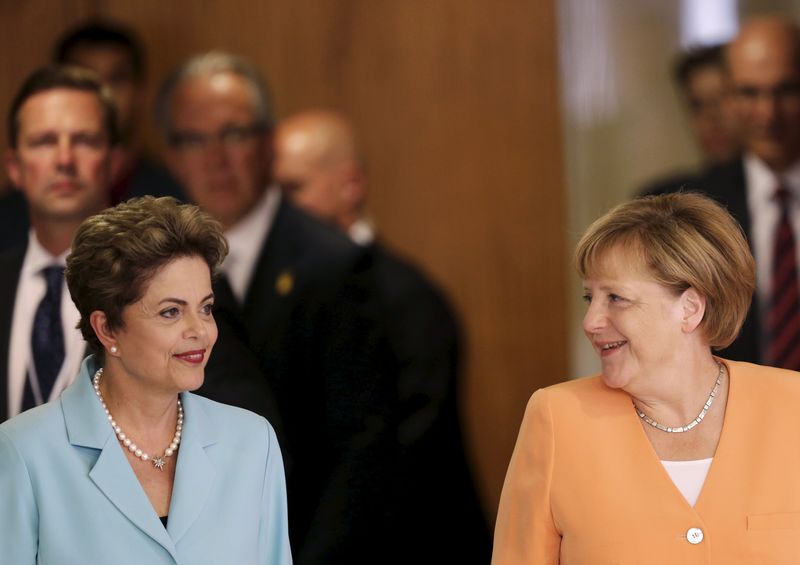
x=128 y=467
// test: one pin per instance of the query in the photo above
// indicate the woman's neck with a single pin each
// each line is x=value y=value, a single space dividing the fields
x=676 y=393
x=147 y=415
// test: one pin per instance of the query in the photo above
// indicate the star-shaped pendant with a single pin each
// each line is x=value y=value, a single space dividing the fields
x=159 y=462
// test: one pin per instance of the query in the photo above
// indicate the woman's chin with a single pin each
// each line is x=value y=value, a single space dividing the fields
x=197 y=383
x=613 y=379
x=192 y=381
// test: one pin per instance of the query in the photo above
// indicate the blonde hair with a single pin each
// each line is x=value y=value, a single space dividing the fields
x=684 y=240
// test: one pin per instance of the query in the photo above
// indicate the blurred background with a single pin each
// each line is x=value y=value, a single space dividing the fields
x=494 y=132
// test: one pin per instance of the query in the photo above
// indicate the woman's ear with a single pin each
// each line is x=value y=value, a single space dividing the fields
x=99 y=323
x=694 y=308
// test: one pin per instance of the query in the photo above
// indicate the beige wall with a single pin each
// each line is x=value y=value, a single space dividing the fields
x=457 y=104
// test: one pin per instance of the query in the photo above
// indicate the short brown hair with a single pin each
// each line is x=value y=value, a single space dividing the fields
x=71 y=78
x=685 y=240
x=117 y=252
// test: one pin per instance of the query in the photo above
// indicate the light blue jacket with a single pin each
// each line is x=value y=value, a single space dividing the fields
x=68 y=495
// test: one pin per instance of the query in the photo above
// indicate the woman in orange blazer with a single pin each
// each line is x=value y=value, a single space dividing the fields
x=670 y=455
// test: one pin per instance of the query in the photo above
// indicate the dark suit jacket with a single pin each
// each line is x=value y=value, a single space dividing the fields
x=727 y=185
x=309 y=316
x=233 y=374
x=436 y=514
x=10 y=267
x=669 y=183
x=14 y=222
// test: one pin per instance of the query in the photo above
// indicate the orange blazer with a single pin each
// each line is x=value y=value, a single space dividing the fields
x=585 y=486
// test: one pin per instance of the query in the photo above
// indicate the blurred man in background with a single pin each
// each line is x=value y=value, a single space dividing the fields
x=297 y=288
x=116 y=54
x=61 y=131
x=318 y=165
x=704 y=86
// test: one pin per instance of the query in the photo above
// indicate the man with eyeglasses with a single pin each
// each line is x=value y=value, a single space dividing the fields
x=301 y=294
x=762 y=188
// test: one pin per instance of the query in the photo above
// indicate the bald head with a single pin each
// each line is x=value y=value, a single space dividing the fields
x=317 y=164
x=764 y=63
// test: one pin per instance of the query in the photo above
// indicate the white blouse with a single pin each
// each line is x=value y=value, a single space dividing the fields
x=688 y=476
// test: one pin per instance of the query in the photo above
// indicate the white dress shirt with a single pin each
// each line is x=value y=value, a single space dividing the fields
x=246 y=240
x=764 y=210
x=31 y=289
x=361 y=232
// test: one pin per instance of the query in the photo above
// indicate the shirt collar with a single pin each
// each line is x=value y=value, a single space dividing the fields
x=246 y=239
x=254 y=226
x=762 y=181
x=362 y=232
x=37 y=257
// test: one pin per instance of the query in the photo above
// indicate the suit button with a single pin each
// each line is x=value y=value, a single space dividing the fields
x=694 y=535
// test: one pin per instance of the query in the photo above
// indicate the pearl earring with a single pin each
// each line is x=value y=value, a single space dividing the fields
x=113 y=349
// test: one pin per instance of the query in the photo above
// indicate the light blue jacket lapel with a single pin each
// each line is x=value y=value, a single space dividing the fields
x=87 y=426
x=195 y=473
x=113 y=475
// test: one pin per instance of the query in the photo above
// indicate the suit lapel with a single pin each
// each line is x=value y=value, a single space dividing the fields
x=10 y=267
x=647 y=470
x=87 y=426
x=267 y=304
x=734 y=194
x=113 y=475
x=747 y=346
x=224 y=299
x=195 y=473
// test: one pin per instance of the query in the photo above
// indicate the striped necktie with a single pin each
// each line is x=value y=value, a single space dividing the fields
x=783 y=315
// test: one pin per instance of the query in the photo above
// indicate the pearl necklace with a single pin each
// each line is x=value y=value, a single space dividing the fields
x=159 y=461
x=680 y=429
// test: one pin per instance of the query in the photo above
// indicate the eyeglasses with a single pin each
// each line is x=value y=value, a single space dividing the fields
x=783 y=92
x=229 y=137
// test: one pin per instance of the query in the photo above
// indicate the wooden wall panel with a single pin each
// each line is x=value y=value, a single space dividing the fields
x=456 y=103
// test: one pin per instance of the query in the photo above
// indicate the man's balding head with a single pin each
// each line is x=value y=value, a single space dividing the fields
x=764 y=62
x=317 y=164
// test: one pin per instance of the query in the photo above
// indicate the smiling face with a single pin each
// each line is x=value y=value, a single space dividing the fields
x=62 y=158
x=634 y=323
x=168 y=334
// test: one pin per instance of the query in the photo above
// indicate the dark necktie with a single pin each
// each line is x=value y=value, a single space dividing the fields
x=47 y=339
x=783 y=316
